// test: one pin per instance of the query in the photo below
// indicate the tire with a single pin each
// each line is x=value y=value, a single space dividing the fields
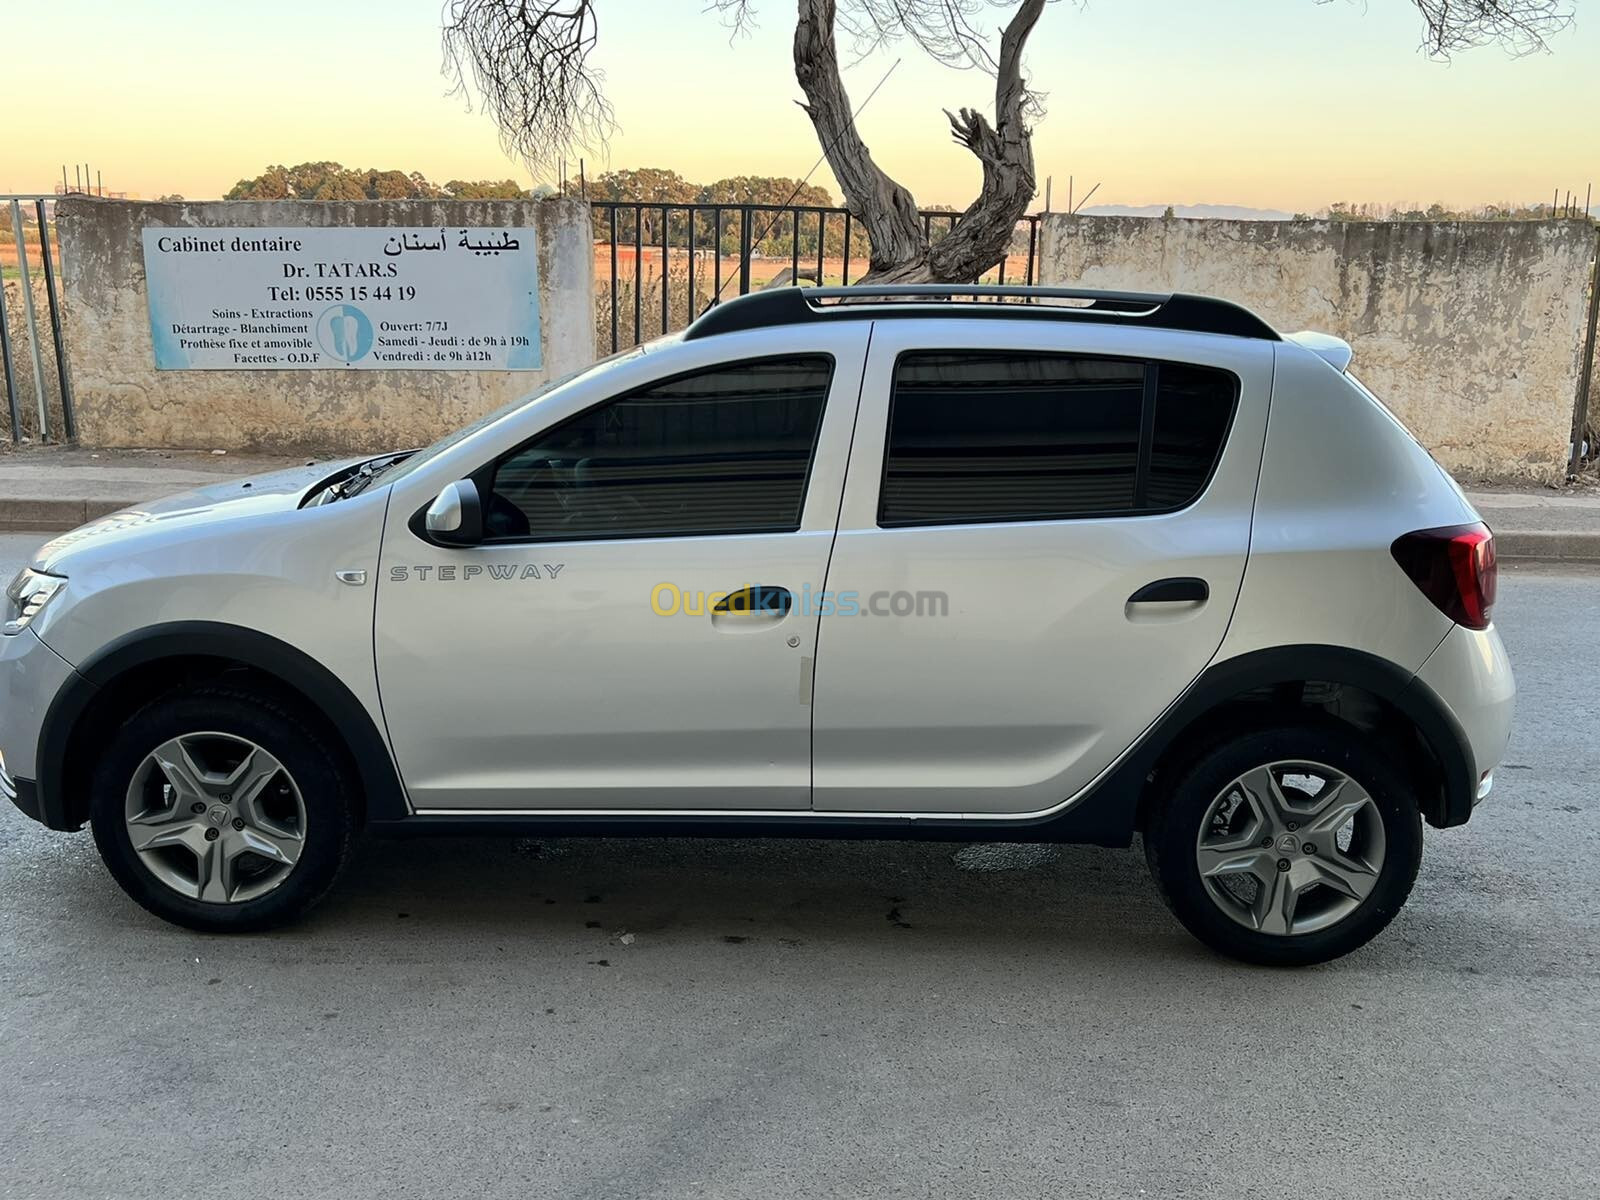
x=1214 y=810
x=212 y=859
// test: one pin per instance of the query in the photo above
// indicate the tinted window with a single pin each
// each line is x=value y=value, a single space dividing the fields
x=1193 y=408
x=977 y=436
x=994 y=437
x=720 y=451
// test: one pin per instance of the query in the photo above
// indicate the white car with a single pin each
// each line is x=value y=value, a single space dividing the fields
x=1002 y=564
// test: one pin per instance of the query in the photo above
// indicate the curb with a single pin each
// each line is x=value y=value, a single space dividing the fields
x=1548 y=545
x=53 y=516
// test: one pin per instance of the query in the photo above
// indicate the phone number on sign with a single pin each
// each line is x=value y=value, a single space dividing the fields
x=338 y=291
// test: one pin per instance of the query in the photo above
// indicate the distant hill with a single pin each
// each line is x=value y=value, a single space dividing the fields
x=1208 y=212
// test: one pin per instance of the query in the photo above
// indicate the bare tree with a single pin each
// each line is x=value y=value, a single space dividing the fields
x=1520 y=26
x=531 y=62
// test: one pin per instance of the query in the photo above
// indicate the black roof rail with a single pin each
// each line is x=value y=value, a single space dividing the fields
x=798 y=305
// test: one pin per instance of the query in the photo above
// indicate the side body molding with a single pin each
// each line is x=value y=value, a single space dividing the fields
x=385 y=796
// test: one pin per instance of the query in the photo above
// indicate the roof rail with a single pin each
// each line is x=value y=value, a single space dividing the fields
x=798 y=305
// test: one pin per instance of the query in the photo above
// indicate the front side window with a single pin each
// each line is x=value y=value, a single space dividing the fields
x=1019 y=436
x=720 y=451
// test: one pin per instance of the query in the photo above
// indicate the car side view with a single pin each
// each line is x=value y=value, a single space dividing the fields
x=1010 y=564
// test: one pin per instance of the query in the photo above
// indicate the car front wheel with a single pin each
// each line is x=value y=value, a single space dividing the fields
x=221 y=810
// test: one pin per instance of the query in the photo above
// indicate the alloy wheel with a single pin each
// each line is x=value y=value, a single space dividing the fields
x=1290 y=848
x=215 y=817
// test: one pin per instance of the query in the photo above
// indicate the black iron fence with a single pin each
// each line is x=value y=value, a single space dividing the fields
x=38 y=394
x=659 y=265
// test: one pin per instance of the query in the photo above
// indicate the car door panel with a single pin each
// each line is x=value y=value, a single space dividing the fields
x=595 y=673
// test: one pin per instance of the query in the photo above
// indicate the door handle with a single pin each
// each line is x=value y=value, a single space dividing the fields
x=1185 y=590
x=755 y=602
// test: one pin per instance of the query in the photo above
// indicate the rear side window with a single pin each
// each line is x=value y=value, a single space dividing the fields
x=721 y=451
x=1011 y=436
x=1194 y=406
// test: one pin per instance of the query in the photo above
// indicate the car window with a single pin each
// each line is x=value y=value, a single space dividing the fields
x=1194 y=407
x=1016 y=436
x=428 y=453
x=720 y=451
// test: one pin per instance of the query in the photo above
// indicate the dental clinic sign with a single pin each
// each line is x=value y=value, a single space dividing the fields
x=379 y=298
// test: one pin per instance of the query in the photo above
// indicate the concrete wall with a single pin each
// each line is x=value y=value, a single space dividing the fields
x=22 y=360
x=1470 y=332
x=122 y=400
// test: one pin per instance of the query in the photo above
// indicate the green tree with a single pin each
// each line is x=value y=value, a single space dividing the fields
x=333 y=181
x=271 y=184
x=484 y=189
x=342 y=186
x=390 y=185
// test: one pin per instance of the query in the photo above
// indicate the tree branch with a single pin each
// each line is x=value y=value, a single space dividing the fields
x=530 y=62
x=885 y=207
x=982 y=236
x=1520 y=26
x=1517 y=26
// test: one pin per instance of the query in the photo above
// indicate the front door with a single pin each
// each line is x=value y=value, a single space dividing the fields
x=598 y=651
x=1039 y=550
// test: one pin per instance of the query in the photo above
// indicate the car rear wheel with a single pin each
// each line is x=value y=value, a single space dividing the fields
x=1287 y=846
x=221 y=810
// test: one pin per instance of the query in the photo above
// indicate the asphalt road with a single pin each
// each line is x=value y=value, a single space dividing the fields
x=801 y=1019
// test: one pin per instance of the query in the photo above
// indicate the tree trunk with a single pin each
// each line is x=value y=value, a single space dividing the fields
x=894 y=231
x=900 y=252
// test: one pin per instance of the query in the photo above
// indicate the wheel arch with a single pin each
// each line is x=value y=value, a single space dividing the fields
x=129 y=671
x=1325 y=683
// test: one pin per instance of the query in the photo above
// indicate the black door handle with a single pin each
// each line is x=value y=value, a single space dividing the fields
x=1187 y=590
x=756 y=600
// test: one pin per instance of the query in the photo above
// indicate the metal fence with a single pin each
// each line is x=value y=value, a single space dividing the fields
x=38 y=391
x=658 y=265
x=1585 y=413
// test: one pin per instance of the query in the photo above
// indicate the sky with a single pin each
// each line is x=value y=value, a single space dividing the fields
x=1288 y=104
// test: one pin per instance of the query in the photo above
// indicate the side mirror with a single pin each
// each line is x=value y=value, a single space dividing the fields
x=456 y=515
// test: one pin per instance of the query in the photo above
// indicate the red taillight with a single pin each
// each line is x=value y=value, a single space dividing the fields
x=1453 y=567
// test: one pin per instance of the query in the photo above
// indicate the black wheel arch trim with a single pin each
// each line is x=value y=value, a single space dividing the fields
x=368 y=748
x=1409 y=695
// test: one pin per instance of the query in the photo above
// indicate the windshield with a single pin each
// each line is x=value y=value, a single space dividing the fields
x=429 y=453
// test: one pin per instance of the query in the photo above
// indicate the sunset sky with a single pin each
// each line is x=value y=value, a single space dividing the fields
x=1284 y=104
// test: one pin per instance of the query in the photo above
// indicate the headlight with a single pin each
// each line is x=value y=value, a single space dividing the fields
x=29 y=592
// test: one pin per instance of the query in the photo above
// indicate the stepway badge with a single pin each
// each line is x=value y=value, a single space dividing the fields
x=352 y=298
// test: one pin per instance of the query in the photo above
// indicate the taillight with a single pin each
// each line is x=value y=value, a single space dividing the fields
x=1453 y=567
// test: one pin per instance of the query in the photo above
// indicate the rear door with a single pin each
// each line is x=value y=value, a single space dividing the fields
x=1043 y=533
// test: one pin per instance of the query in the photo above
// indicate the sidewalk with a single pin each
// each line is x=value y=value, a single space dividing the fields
x=47 y=489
